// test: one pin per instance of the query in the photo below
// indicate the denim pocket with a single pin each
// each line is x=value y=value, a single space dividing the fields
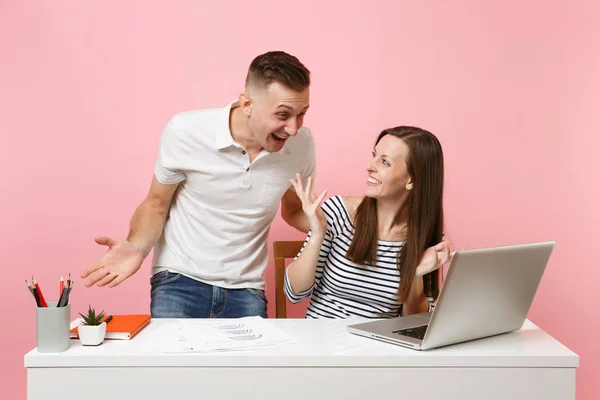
x=259 y=293
x=163 y=277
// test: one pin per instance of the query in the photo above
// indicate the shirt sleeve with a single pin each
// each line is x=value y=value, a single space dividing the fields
x=168 y=164
x=309 y=165
x=310 y=162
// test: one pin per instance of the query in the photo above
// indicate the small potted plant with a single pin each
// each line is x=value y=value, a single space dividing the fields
x=93 y=329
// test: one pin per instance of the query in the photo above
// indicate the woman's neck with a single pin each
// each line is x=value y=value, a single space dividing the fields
x=392 y=220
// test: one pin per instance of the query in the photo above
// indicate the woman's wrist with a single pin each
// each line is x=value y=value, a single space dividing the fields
x=317 y=236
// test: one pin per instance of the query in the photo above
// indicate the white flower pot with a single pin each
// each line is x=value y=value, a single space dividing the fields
x=91 y=335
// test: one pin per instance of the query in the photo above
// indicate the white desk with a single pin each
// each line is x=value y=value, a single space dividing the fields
x=326 y=363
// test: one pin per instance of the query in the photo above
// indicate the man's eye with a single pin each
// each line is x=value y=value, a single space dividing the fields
x=283 y=115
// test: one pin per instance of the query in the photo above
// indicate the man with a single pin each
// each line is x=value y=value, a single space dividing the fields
x=217 y=185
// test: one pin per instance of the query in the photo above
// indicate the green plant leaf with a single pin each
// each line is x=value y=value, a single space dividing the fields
x=91 y=318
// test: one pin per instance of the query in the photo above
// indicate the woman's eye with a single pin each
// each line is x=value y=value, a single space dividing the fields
x=386 y=163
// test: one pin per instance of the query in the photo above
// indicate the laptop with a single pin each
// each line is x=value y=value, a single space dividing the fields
x=486 y=292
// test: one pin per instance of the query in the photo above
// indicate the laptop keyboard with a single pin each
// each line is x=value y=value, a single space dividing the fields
x=417 y=333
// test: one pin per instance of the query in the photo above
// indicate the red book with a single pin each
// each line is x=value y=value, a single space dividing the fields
x=122 y=327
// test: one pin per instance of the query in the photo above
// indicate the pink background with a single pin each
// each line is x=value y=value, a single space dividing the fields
x=510 y=89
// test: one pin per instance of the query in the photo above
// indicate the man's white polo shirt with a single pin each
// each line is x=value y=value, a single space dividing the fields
x=218 y=224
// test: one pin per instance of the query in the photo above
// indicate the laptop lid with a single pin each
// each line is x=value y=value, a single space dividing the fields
x=486 y=292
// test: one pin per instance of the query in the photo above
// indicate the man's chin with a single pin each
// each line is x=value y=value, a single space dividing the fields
x=274 y=146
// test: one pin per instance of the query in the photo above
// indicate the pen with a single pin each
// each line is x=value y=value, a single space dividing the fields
x=39 y=290
x=63 y=297
x=37 y=301
x=36 y=295
x=69 y=291
x=107 y=320
x=29 y=286
x=62 y=286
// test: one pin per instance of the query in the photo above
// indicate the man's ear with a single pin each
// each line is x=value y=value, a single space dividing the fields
x=245 y=103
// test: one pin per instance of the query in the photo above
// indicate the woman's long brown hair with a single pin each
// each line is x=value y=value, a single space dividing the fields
x=425 y=165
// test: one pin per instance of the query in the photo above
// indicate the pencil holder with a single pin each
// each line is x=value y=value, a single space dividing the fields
x=52 y=328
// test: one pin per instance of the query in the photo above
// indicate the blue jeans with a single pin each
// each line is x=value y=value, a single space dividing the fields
x=177 y=296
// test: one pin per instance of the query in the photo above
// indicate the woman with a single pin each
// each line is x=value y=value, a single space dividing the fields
x=376 y=256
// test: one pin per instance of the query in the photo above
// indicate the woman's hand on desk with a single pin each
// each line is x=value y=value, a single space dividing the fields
x=433 y=258
x=121 y=260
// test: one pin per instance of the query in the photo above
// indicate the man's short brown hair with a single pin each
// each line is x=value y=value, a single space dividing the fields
x=278 y=66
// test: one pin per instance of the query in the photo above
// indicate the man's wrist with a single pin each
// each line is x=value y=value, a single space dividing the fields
x=139 y=247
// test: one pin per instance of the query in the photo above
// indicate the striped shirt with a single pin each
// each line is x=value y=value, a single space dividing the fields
x=343 y=289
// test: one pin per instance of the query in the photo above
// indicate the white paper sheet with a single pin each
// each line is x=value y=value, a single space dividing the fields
x=210 y=335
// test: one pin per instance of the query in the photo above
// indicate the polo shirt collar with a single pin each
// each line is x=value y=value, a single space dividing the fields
x=224 y=138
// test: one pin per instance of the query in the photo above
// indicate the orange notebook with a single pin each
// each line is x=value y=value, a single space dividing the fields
x=122 y=327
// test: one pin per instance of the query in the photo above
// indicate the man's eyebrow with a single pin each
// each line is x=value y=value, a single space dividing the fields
x=290 y=107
